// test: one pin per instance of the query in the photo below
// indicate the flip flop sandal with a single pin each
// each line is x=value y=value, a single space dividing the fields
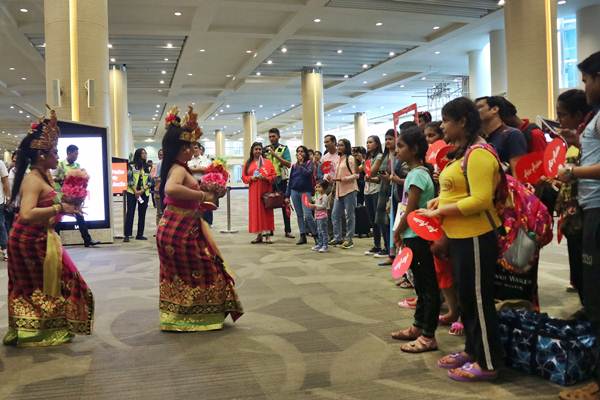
x=583 y=393
x=447 y=321
x=453 y=360
x=406 y=304
x=411 y=333
x=471 y=373
x=405 y=284
x=457 y=329
x=421 y=345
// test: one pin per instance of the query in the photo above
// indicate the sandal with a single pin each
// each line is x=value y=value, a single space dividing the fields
x=405 y=283
x=447 y=320
x=420 y=345
x=411 y=333
x=471 y=372
x=587 y=392
x=257 y=240
x=454 y=360
x=457 y=329
x=409 y=302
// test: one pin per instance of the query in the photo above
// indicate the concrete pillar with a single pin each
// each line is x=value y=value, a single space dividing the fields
x=479 y=73
x=498 y=62
x=531 y=57
x=120 y=127
x=7 y=157
x=250 y=131
x=360 y=129
x=312 y=108
x=219 y=143
x=588 y=31
x=76 y=34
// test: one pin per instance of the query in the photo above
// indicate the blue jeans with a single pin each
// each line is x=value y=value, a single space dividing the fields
x=306 y=220
x=343 y=204
x=322 y=235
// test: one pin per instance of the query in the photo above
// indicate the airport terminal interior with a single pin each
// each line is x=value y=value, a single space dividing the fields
x=257 y=93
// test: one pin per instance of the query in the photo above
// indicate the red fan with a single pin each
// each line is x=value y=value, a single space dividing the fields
x=530 y=168
x=326 y=167
x=555 y=157
x=401 y=263
x=426 y=228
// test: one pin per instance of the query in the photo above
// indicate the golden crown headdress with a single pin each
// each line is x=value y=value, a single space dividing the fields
x=50 y=132
x=172 y=118
x=191 y=130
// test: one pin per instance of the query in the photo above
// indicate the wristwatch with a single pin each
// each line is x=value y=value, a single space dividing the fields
x=569 y=173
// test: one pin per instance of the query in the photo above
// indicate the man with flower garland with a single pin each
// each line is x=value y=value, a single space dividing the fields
x=63 y=168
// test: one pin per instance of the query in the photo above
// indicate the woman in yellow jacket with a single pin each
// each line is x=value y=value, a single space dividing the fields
x=469 y=218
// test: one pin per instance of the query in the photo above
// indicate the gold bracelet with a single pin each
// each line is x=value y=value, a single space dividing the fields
x=57 y=208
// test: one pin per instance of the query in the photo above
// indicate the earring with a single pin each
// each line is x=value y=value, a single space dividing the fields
x=43 y=157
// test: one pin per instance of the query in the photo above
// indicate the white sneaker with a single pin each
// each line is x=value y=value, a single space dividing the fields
x=323 y=250
x=316 y=248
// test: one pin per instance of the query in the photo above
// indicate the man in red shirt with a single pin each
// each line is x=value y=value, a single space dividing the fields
x=536 y=140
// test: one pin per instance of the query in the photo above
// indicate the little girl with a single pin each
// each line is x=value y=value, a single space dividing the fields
x=321 y=200
x=418 y=190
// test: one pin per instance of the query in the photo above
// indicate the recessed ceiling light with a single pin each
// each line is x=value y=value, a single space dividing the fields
x=228 y=76
x=169 y=45
x=269 y=62
x=163 y=72
x=423 y=78
x=158 y=106
x=162 y=82
x=561 y=2
x=113 y=59
x=455 y=79
x=384 y=74
x=379 y=24
x=12 y=107
x=212 y=118
x=20 y=111
x=346 y=76
x=317 y=20
x=401 y=86
x=28 y=116
x=166 y=59
x=435 y=28
x=24 y=10
x=110 y=46
x=202 y=50
x=391 y=54
x=221 y=110
x=227 y=105
x=437 y=52
x=248 y=51
x=340 y=51
x=365 y=66
x=319 y=63
x=189 y=74
x=260 y=106
x=293 y=105
x=153 y=118
x=23 y=79
x=258 y=74
x=12 y=68
x=177 y=14
x=159 y=90
x=365 y=82
x=500 y=2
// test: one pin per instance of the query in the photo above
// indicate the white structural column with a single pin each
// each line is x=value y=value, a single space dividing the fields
x=312 y=107
x=250 y=131
x=498 y=62
x=7 y=157
x=219 y=143
x=76 y=34
x=120 y=127
x=531 y=57
x=479 y=73
x=588 y=31
x=360 y=129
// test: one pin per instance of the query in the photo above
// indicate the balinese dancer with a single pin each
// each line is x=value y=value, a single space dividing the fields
x=196 y=291
x=48 y=300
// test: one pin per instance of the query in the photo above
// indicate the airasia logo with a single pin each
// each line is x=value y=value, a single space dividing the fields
x=552 y=160
x=425 y=224
x=531 y=170
x=402 y=262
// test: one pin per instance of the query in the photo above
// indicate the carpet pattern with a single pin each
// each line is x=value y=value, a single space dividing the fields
x=316 y=327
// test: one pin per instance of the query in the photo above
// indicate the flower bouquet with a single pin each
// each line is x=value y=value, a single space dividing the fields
x=215 y=178
x=74 y=188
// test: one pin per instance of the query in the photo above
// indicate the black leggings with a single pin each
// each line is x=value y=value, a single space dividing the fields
x=371 y=203
x=426 y=286
x=474 y=263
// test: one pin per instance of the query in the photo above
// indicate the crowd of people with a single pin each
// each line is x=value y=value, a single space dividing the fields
x=344 y=192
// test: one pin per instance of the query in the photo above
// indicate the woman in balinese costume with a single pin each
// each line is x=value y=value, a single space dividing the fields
x=48 y=300
x=196 y=291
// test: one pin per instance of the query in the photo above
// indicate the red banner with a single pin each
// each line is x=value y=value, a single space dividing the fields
x=405 y=110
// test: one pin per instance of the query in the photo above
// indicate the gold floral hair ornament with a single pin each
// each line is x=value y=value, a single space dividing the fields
x=172 y=118
x=50 y=132
x=191 y=130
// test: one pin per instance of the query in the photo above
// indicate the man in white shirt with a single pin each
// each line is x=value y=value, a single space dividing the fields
x=4 y=199
x=198 y=165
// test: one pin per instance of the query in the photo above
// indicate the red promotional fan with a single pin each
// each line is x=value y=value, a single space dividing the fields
x=441 y=160
x=433 y=150
x=555 y=157
x=305 y=200
x=401 y=263
x=326 y=167
x=530 y=168
x=368 y=168
x=426 y=228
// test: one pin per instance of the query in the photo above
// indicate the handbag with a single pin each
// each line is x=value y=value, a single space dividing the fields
x=273 y=200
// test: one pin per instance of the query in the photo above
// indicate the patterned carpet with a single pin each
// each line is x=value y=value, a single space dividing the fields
x=316 y=327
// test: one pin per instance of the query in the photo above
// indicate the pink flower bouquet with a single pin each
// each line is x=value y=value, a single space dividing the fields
x=215 y=178
x=74 y=188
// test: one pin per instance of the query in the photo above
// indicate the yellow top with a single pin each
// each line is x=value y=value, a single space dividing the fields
x=484 y=176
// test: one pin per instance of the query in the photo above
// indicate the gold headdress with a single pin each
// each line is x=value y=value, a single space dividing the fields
x=50 y=132
x=191 y=130
x=172 y=118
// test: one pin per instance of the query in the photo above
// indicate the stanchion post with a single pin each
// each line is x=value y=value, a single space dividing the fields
x=228 y=230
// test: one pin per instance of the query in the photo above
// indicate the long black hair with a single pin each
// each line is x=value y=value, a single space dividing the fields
x=465 y=109
x=171 y=146
x=389 y=133
x=347 y=152
x=305 y=158
x=574 y=102
x=26 y=157
x=251 y=158
x=415 y=140
x=378 y=149
x=138 y=162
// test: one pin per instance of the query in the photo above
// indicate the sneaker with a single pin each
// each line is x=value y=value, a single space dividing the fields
x=385 y=263
x=316 y=248
x=382 y=254
x=334 y=242
x=323 y=250
x=373 y=251
x=347 y=245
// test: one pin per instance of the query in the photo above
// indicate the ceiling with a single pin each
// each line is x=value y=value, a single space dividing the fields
x=231 y=56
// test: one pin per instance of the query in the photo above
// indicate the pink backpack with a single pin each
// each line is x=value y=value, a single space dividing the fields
x=526 y=222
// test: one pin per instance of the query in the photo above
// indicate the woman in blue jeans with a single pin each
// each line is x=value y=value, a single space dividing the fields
x=301 y=183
